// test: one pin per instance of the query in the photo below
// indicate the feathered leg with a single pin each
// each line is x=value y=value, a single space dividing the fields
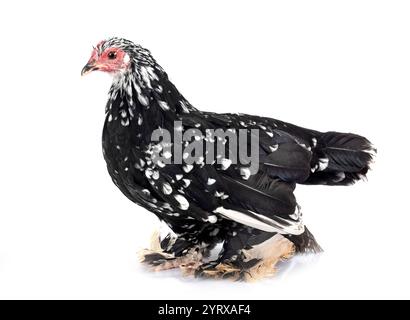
x=248 y=255
x=172 y=252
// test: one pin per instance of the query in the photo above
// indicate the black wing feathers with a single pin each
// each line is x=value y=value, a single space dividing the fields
x=261 y=194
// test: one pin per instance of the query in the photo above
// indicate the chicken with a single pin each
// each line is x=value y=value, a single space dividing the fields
x=247 y=206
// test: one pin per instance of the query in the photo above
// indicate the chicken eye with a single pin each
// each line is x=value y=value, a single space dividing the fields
x=112 y=55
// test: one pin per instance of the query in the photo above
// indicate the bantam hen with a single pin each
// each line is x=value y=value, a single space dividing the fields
x=197 y=185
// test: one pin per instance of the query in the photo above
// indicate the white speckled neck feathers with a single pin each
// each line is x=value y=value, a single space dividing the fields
x=143 y=86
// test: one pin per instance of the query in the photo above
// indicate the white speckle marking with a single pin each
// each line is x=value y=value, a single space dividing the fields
x=184 y=107
x=155 y=175
x=160 y=164
x=148 y=173
x=226 y=163
x=323 y=163
x=245 y=173
x=143 y=100
x=163 y=105
x=212 y=219
x=167 y=155
x=183 y=202
x=166 y=188
x=218 y=194
x=188 y=167
x=187 y=182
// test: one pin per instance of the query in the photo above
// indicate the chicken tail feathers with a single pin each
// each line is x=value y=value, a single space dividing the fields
x=305 y=242
x=340 y=159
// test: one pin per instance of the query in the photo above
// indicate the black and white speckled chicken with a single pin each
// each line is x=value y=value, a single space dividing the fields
x=254 y=214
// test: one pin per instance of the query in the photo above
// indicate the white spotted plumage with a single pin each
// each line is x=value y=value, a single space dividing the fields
x=220 y=197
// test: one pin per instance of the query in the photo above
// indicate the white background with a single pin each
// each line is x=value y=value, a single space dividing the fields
x=67 y=232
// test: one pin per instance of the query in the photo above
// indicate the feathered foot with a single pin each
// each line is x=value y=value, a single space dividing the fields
x=157 y=259
x=222 y=270
x=276 y=249
x=252 y=264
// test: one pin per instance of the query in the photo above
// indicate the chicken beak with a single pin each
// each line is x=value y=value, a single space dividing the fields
x=88 y=68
